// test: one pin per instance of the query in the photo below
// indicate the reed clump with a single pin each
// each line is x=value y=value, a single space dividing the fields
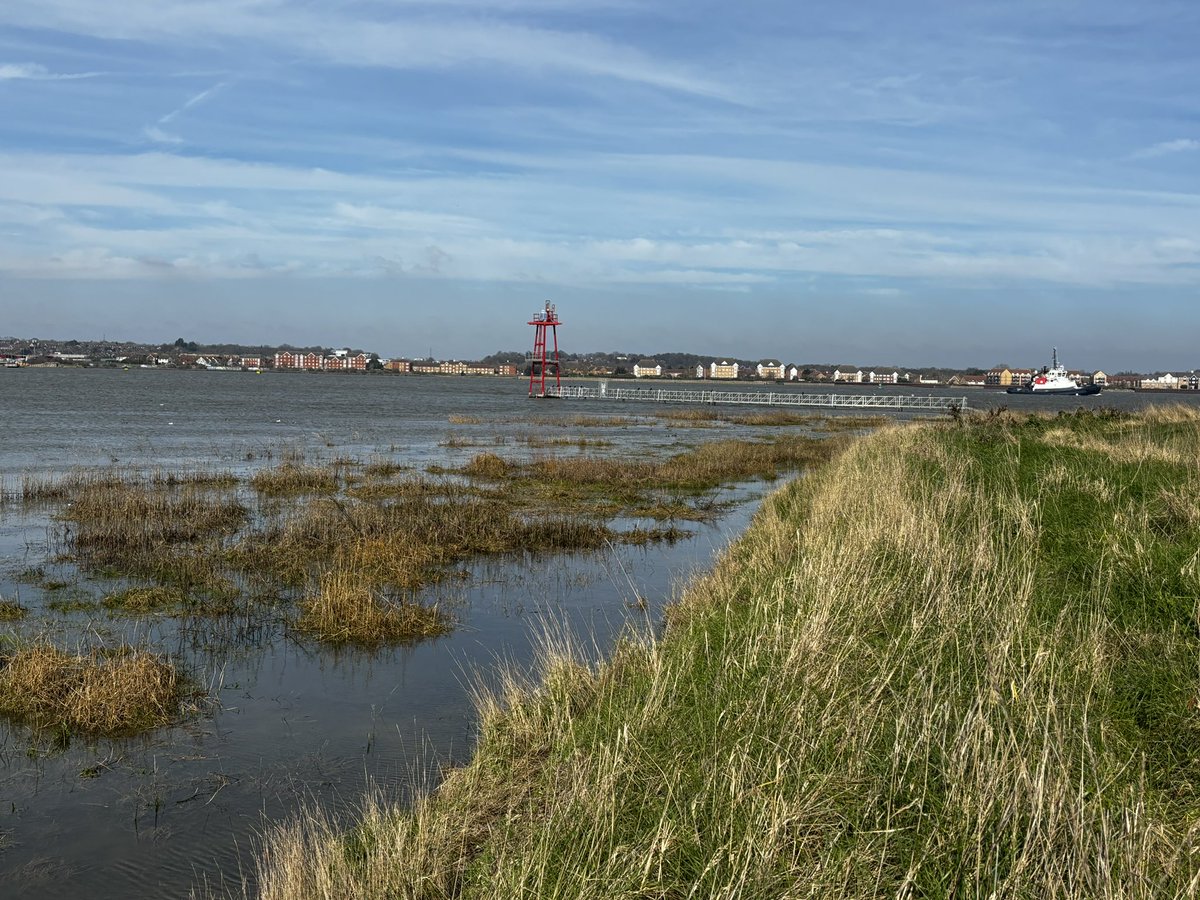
x=345 y=608
x=297 y=478
x=958 y=661
x=166 y=534
x=149 y=599
x=109 y=692
x=487 y=465
x=12 y=611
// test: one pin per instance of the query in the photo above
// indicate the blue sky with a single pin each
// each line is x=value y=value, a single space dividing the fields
x=864 y=182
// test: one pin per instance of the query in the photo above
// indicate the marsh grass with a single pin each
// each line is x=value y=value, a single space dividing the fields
x=35 y=488
x=12 y=611
x=345 y=608
x=96 y=692
x=142 y=600
x=296 y=478
x=382 y=467
x=958 y=661
x=774 y=419
x=170 y=535
x=580 y=421
x=194 y=548
x=581 y=442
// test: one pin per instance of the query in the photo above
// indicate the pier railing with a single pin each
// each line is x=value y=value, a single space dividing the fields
x=865 y=400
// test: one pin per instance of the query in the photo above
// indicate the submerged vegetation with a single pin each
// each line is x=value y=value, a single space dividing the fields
x=959 y=660
x=341 y=548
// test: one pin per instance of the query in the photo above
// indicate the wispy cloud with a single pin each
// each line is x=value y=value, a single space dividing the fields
x=37 y=72
x=1167 y=148
x=192 y=101
x=159 y=136
x=348 y=35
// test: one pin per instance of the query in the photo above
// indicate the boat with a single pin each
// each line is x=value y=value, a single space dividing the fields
x=1053 y=380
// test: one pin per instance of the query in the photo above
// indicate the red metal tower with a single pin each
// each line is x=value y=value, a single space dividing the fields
x=540 y=362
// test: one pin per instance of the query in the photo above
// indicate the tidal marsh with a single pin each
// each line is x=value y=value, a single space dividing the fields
x=207 y=544
x=958 y=660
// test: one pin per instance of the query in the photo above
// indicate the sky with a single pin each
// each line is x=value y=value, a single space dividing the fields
x=918 y=183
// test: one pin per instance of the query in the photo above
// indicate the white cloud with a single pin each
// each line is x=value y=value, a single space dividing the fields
x=37 y=72
x=1166 y=148
x=428 y=39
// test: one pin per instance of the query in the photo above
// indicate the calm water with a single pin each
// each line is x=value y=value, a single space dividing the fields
x=157 y=815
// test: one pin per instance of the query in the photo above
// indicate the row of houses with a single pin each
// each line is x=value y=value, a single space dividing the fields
x=767 y=370
x=339 y=361
x=447 y=367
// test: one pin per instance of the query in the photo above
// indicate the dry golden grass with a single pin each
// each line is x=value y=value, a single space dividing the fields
x=346 y=608
x=293 y=478
x=113 y=692
x=382 y=467
x=461 y=419
x=166 y=534
x=60 y=488
x=487 y=465
x=913 y=677
x=11 y=611
x=1170 y=414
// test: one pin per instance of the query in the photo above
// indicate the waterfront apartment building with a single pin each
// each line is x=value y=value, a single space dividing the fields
x=647 y=368
x=848 y=376
x=771 y=369
x=723 y=369
x=1005 y=377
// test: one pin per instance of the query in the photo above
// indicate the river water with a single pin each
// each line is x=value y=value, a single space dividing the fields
x=295 y=722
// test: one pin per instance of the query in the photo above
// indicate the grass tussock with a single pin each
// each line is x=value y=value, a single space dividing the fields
x=345 y=608
x=296 y=478
x=165 y=534
x=958 y=661
x=144 y=600
x=97 y=692
x=12 y=611
x=383 y=467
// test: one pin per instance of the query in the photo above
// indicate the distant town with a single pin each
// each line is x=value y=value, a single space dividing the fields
x=182 y=354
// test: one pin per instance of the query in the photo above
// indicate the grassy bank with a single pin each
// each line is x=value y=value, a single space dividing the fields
x=959 y=660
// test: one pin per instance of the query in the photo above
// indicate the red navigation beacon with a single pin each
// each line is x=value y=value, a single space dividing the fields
x=541 y=363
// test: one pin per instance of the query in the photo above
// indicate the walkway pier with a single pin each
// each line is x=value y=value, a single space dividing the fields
x=865 y=400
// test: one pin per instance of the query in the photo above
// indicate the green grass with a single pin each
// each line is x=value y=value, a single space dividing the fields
x=958 y=661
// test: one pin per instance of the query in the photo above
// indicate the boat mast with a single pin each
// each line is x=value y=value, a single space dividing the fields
x=1055 y=354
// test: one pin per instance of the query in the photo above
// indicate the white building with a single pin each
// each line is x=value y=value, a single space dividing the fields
x=771 y=369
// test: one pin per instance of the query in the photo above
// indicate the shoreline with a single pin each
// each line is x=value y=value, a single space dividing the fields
x=913 y=666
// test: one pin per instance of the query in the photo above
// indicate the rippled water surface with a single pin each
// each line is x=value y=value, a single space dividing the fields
x=293 y=721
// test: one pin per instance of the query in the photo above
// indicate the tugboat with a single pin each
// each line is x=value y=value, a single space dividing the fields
x=1053 y=380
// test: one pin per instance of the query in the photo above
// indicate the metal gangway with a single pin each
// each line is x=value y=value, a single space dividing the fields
x=604 y=391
